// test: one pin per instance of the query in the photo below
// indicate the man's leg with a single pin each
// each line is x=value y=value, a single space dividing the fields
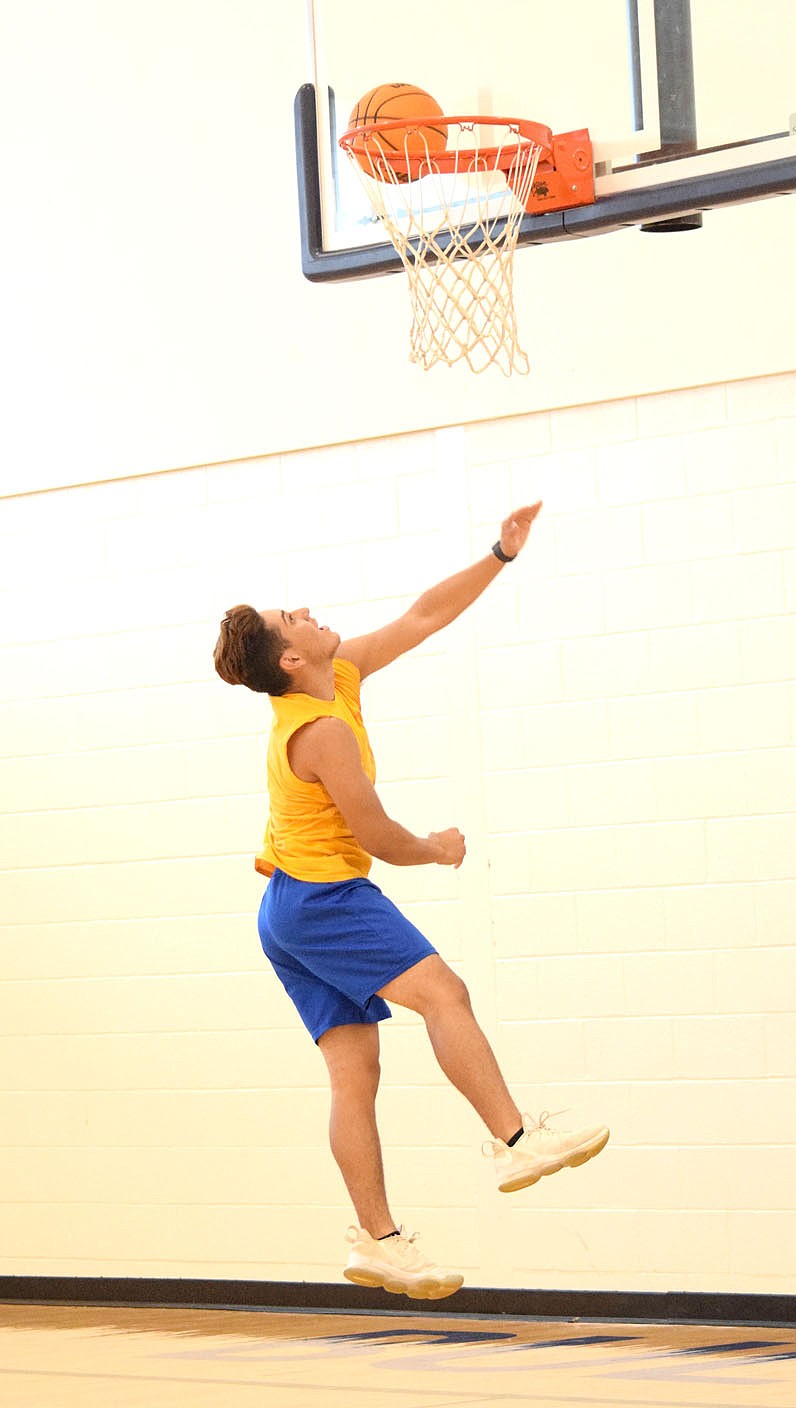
x=352 y=1057
x=398 y=1264
x=466 y=1057
x=464 y=1054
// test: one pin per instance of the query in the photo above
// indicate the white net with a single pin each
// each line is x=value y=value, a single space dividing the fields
x=454 y=217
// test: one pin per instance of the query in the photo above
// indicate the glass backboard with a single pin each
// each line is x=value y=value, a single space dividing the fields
x=689 y=106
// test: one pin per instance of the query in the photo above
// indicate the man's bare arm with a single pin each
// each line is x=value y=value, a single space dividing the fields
x=326 y=751
x=440 y=605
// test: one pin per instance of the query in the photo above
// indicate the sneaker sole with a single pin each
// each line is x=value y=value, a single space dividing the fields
x=421 y=1290
x=573 y=1159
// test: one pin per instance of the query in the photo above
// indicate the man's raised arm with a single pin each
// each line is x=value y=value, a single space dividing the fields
x=440 y=604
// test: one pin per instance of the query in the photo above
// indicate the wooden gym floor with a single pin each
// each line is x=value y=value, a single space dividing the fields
x=64 y=1356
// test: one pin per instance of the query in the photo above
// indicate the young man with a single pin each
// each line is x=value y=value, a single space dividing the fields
x=341 y=949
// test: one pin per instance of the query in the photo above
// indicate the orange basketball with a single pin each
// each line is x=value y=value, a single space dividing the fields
x=392 y=102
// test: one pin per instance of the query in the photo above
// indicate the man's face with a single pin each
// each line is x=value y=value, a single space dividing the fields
x=304 y=636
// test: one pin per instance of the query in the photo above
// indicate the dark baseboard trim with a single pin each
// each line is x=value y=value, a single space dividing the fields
x=686 y=1307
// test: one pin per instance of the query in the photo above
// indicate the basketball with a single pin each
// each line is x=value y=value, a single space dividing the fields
x=392 y=102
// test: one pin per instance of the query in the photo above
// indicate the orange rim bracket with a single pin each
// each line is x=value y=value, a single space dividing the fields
x=566 y=178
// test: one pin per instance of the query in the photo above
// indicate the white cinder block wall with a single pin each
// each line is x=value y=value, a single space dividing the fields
x=613 y=728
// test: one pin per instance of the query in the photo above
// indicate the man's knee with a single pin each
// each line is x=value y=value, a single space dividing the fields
x=428 y=987
x=454 y=991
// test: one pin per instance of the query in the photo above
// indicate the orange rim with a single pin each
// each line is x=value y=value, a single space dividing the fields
x=527 y=135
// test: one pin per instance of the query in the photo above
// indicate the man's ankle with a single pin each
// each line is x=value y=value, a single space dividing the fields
x=381 y=1229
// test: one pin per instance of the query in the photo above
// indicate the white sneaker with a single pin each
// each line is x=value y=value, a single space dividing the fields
x=541 y=1151
x=398 y=1264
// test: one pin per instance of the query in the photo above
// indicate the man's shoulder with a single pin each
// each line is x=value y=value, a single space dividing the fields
x=319 y=742
x=345 y=669
x=347 y=679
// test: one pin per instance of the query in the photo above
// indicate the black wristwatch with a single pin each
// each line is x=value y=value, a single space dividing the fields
x=499 y=553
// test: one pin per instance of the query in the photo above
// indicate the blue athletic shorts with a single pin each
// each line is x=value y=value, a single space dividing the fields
x=333 y=946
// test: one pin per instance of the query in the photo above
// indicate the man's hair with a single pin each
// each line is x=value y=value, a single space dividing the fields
x=248 y=652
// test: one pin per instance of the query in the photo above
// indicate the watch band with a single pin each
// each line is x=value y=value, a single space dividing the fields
x=500 y=554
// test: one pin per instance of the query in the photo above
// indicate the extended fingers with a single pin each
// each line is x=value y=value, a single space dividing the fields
x=515 y=529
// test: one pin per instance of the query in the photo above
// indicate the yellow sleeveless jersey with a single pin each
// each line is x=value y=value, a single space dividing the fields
x=306 y=835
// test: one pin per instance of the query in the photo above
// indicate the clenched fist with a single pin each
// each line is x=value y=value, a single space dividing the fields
x=450 y=845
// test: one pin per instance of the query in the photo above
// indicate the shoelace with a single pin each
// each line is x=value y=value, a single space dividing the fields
x=493 y=1149
x=409 y=1249
x=541 y=1123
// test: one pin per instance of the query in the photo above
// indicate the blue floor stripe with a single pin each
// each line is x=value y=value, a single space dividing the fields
x=736 y=1345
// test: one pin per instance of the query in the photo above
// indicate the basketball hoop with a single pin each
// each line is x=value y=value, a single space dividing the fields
x=453 y=213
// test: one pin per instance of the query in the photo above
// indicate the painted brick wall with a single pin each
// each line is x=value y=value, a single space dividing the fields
x=613 y=728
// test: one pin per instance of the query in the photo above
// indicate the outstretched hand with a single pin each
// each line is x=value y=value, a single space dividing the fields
x=514 y=530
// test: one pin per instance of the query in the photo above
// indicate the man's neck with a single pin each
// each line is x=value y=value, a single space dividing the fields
x=317 y=681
